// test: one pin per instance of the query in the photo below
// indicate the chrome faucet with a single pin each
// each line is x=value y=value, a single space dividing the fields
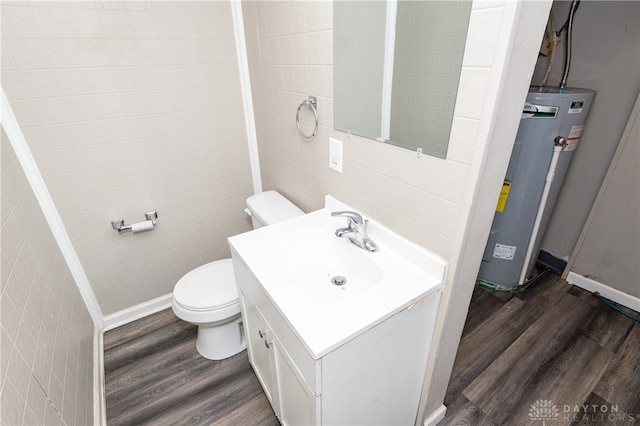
x=356 y=230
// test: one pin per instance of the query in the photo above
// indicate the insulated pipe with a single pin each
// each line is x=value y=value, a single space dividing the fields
x=557 y=148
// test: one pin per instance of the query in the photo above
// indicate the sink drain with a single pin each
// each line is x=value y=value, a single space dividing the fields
x=338 y=280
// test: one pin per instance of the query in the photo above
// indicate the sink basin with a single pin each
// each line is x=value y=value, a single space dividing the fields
x=294 y=262
x=324 y=265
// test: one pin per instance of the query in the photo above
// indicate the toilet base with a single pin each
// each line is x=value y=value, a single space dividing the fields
x=221 y=341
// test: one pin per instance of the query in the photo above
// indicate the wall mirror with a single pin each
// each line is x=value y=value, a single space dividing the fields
x=396 y=70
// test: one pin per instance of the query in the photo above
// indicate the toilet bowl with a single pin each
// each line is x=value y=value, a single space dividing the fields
x=207 y=296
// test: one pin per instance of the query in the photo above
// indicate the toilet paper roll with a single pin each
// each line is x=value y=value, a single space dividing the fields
x=147 y=225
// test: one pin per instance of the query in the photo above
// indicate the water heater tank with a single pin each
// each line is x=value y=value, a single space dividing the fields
x=547 y=114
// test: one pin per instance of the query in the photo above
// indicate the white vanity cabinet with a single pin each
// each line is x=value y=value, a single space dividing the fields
x=349 y=354
x=373 y=378
x=260 y=347
x=290 y=396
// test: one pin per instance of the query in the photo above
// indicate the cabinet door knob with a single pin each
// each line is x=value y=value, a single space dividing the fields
x=267 y=344
x=261 y=334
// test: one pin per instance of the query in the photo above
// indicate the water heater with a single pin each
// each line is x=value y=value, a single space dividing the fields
x=549 y=133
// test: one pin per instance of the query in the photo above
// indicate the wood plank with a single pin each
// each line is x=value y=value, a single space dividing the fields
x=139 y=347
x=601 y=329
x=211 y=404
x=591 y=412
x=608 y=327
x=256 y=412
x=154 y=375
x=185 y=381
x=483 y=304
x=544 y=291
x=486 y=342
x=561 y=379
x=177 y=355
x=141 y=327
x=504 y=295
x=499 y=389
x=464 y=413
x=620 y=384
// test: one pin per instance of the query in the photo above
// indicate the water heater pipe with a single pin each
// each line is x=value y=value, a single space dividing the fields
x=552 y=55
x=560 y=142
x=567 y=62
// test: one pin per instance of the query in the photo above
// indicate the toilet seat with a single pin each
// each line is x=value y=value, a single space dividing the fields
x=207 y=293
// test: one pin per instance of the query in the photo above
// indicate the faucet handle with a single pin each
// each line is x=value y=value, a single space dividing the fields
x=353 y=217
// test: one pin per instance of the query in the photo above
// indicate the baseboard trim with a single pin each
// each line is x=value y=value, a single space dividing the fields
x=610 y=293
x=436 y=417
x=133 y=313
x=99 y=397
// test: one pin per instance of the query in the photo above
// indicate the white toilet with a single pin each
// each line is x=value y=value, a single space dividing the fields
x=207 y=296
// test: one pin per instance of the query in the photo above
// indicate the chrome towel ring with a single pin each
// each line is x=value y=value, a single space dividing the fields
x=311 y=103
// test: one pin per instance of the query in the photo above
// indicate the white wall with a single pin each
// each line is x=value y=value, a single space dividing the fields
x=605 y=58
x=418 y=197
x=609 y=246
x=130 y=107
x=47 y=334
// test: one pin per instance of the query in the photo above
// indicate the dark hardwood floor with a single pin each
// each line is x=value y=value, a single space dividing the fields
x=155 y=376
x=547 y=347
x=552 y=347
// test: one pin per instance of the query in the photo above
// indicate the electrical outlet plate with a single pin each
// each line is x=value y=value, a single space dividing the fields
x=335 y=155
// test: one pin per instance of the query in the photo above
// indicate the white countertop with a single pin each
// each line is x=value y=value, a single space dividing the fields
x=322 y=315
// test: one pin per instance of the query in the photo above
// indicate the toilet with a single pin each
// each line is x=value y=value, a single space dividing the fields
x=207 y=296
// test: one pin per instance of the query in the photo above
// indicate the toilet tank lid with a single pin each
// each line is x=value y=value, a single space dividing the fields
x=271 y=207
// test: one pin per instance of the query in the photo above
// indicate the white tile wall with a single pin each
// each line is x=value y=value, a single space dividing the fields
x=46 y=348
x=130 y=107
x=418 y=197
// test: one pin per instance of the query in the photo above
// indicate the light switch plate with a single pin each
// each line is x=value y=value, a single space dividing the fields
x=335 y=155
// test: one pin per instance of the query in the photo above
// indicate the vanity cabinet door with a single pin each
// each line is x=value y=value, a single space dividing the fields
x=299 y=406
x=290 y=396
x=260 y=349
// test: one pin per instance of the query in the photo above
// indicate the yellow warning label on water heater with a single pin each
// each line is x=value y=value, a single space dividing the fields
x=504 y=194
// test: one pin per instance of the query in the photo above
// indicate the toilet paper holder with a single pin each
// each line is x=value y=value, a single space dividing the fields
x=120 y=226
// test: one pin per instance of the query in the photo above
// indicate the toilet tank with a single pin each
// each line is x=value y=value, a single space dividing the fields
x=269 y=207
